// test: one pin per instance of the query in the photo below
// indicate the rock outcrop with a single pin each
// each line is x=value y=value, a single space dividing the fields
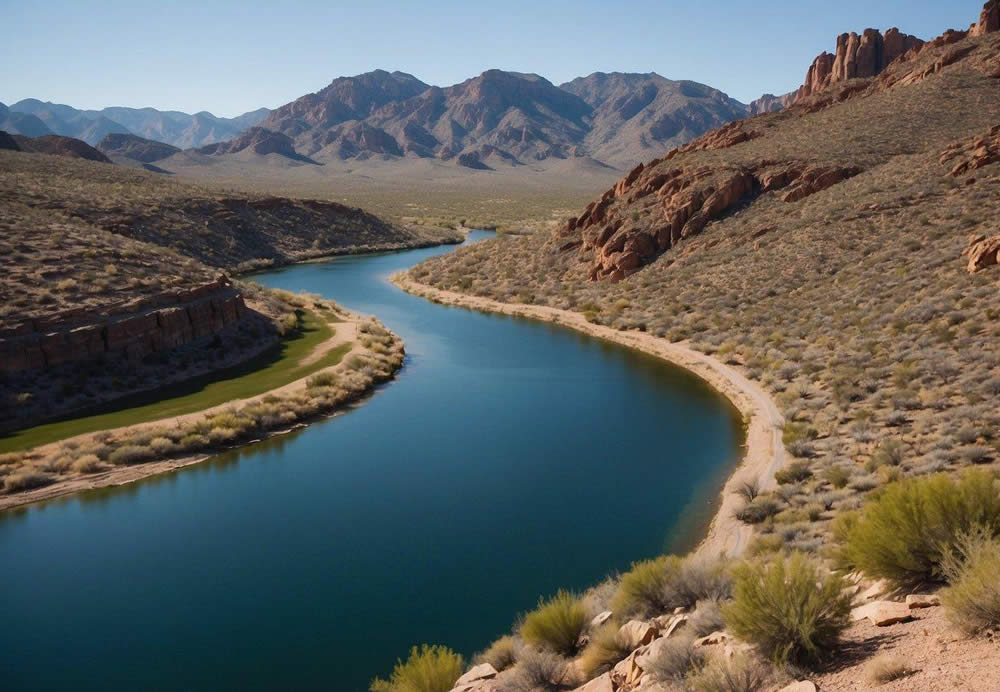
x=686 y=200
x=857 y=56
x=989 y=19
x=131 y=330
x=769 y=103
x=970 y=154
x=983 y=253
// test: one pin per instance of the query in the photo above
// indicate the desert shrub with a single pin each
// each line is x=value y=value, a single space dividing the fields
x=501 y=654
x=737 y=674
x=556 y=624
x=757 y=511
x=748 y=489
x=192 y=442
x=88 y=463
x=904 y=534
x=788 y=608
x=129 y=454
x=537 y=671
x=886 y=668
x=888 y=453
x=793 y=473
x=837 y=476
x=162 y=446
x=972 y=598
x=323 y=379
x=658 y=586
x=25 y=480
x=674 y=659
x=606 y=648
x=707 y=618
x=428 y=669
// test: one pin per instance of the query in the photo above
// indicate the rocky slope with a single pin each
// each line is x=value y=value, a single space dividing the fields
x=60 y=146
x=637 y=115
x=33 y=118
x=256 y=140
x=135 y=148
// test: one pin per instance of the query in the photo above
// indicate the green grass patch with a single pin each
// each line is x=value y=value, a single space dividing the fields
x=257 y=376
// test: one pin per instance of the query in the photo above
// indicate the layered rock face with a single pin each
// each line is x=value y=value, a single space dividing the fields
x=687 y=199
x=856 y=57
x=133 y=330
x=968 y=155
x=989 y=19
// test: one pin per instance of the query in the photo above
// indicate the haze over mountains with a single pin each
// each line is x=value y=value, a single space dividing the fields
x=34 y=118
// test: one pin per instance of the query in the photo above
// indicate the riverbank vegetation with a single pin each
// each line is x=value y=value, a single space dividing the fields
x=338 y=381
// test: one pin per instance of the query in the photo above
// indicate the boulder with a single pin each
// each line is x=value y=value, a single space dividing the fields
x=678 y=622
x=627 y=672
x=600 y=619
x=883 y=613
x=638 y=633
x=918 y=600
x=472 y=679
x=598 y=684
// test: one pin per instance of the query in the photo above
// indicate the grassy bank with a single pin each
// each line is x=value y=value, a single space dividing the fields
x=269 y=371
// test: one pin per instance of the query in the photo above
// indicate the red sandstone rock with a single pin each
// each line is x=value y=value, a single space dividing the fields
x=989 y=20
x=983 y=254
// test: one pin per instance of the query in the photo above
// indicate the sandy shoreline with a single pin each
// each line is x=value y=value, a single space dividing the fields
x=764 y=453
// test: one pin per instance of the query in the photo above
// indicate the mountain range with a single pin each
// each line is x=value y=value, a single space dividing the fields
x=498 y=118
x=34 y=118
x=501 y=117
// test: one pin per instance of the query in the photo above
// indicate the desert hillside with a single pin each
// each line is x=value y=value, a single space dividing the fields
x=116 y=278
x=842 y=252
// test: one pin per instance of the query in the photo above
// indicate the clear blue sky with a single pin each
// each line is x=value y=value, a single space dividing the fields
x=230 y=57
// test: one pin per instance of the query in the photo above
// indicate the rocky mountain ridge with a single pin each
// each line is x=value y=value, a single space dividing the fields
x=501 y=118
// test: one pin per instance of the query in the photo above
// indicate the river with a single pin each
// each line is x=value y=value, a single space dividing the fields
x=508 y=459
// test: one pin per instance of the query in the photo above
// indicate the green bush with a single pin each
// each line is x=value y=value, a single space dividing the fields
x=556 y=624
x=907 y=530
x=788 y=608
x=428 y=669
x=654 y=587
x=972 y=598
x=606 y=648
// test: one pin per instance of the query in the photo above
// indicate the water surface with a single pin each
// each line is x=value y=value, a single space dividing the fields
x=508 y=459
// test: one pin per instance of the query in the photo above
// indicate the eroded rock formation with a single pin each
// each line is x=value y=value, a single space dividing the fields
x=687 y=198
x=129 y=330
x=856 y=57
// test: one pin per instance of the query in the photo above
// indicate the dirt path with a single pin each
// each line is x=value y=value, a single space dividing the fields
x=343 y=332
x=765 y=452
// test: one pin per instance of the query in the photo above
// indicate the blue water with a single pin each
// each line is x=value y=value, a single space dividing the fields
x=508 y=459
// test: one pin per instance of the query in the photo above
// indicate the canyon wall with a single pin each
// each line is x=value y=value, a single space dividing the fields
x=127 y=330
